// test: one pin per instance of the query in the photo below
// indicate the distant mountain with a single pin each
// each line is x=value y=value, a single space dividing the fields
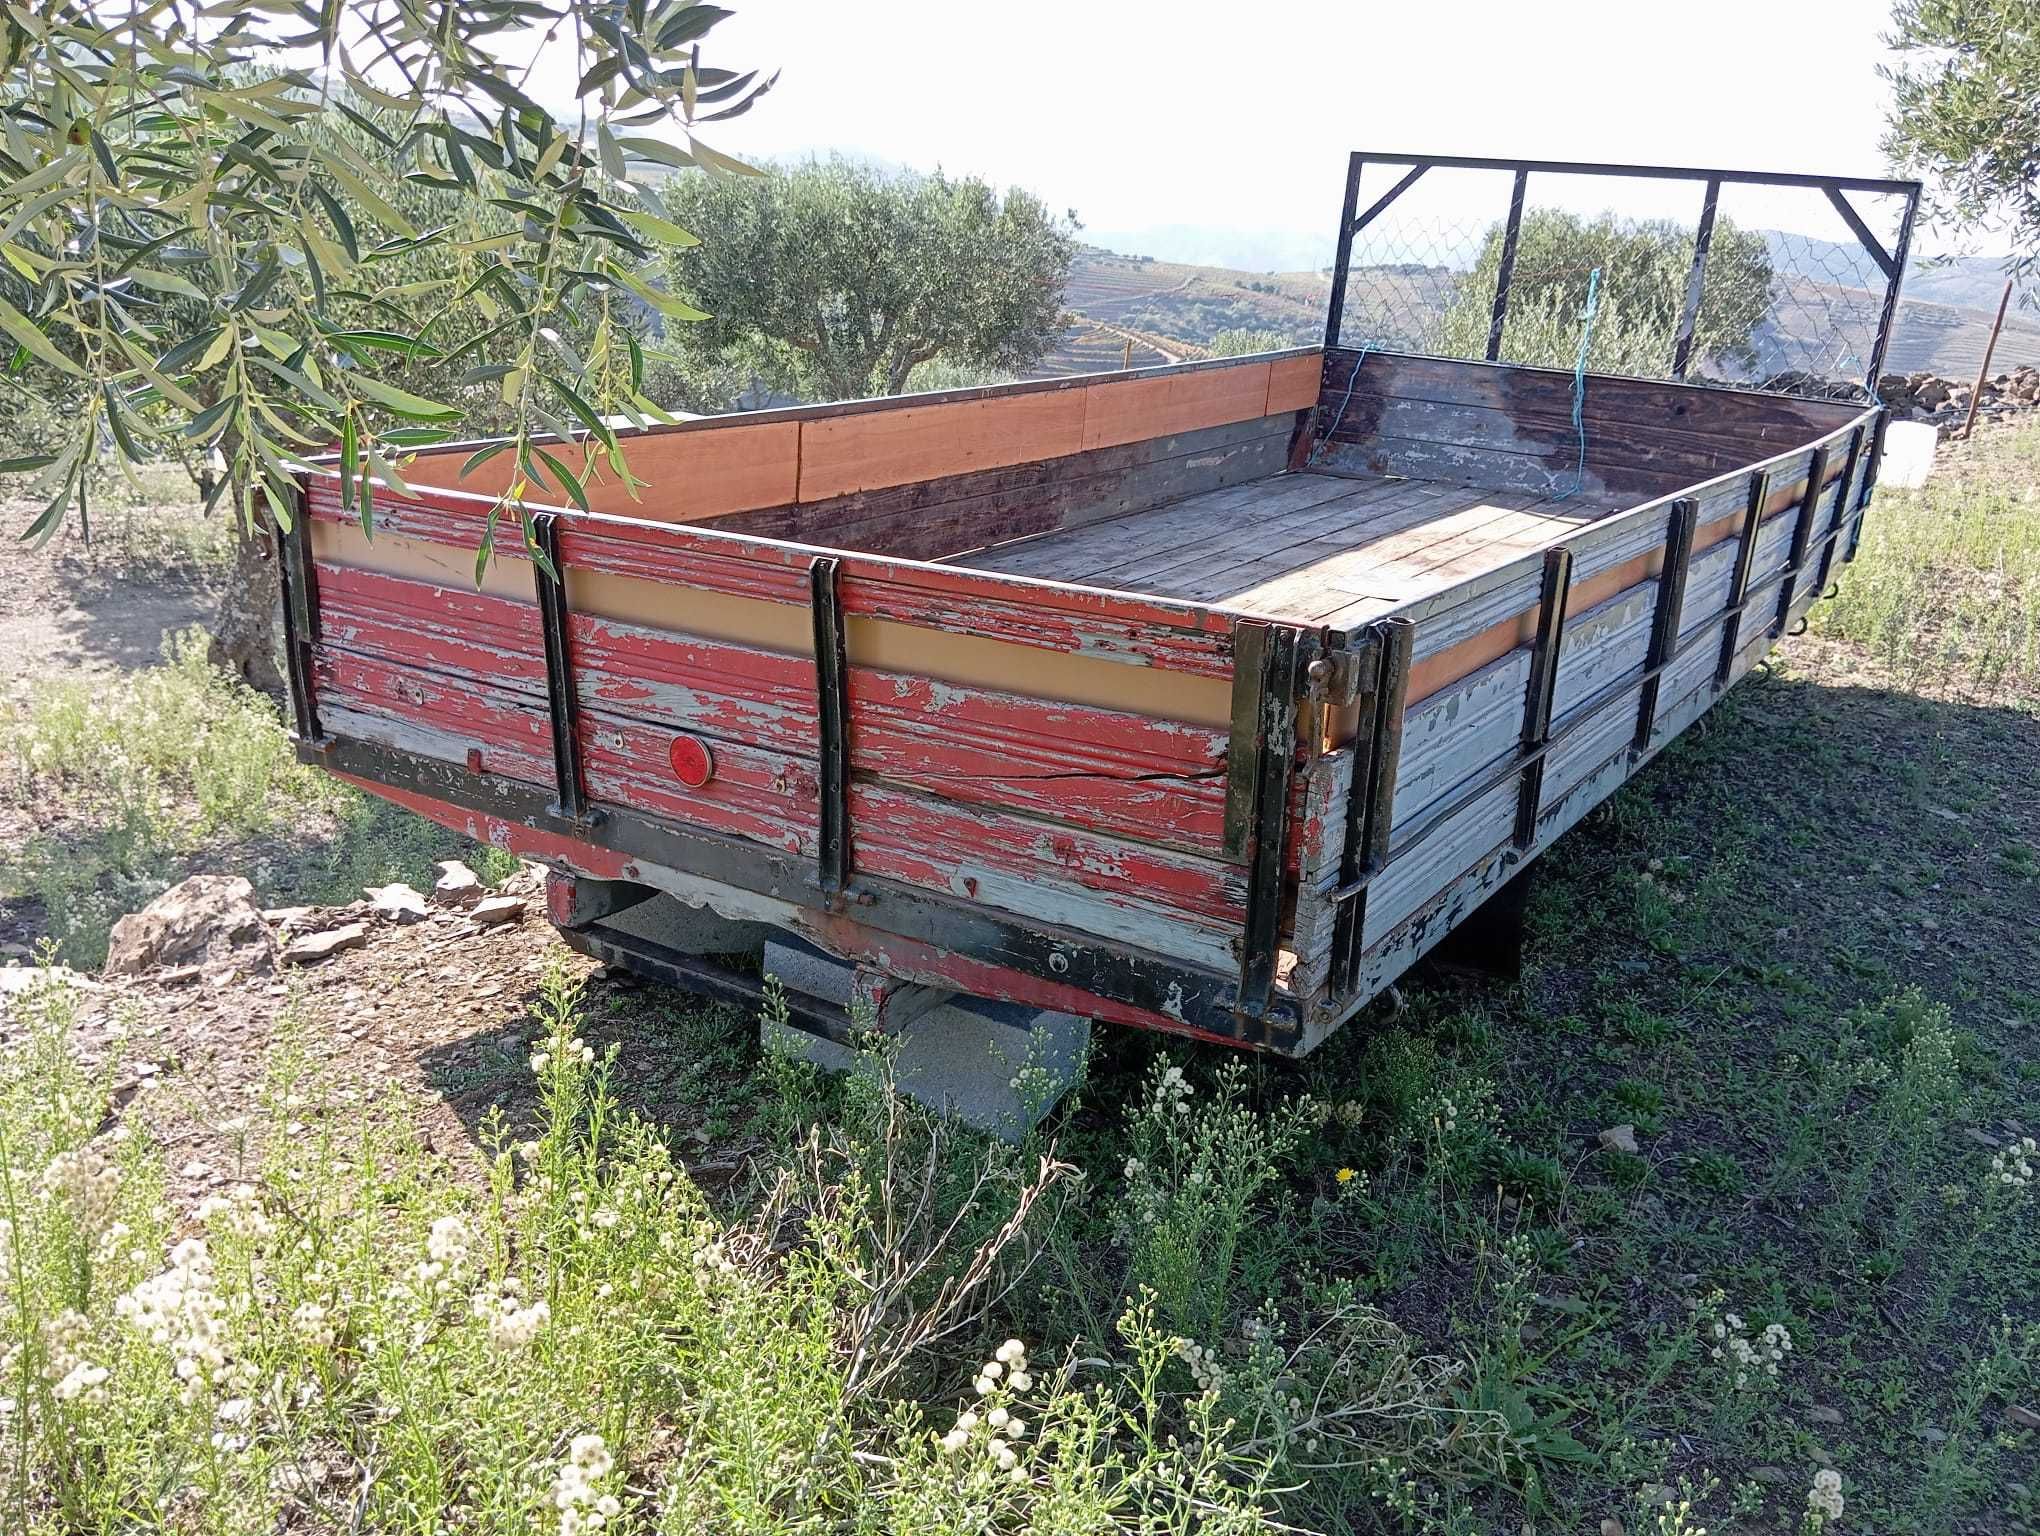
x=1236 y=249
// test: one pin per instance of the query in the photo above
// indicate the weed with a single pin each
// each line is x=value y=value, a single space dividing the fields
x=180 y=767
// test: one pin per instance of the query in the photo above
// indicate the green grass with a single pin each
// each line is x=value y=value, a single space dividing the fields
x=1946 y=586
x=177 y=769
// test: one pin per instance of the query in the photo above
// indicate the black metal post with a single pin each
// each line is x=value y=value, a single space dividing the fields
x=300 y=613
x=832 y=698
x=1802 y=536
x=1739 y=579
x=1269 y=655
x=1506 y=271
x=1337 y=311
x=1843 y=494
x=1891 y=286
x=1869 y=483
x=1370 y=802
x=1696 y=279
x=1542 y=690
x=1671 y=600
x=562 y=706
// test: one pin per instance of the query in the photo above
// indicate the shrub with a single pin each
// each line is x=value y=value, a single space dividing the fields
x=178 y=767
x=362 y=1339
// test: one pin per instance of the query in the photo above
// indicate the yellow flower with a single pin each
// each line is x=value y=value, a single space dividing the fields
x=1345 y=1175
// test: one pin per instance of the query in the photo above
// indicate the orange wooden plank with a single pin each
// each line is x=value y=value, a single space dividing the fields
x=869 y=449
x=1293 y=383
x=1134 y=409
x=692 y=474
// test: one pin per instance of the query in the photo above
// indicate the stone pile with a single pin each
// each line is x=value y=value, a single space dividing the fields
x=1945 y=402
x=209 y=925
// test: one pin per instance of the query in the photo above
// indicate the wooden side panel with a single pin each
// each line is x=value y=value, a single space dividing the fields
x=1511 y=428
x=689 y=475
x=1102 y=770
x=947 y=517
x=1103 y=821
x=842 y=454
x=438 y=714
x=1133 y=409
x=1294 y=382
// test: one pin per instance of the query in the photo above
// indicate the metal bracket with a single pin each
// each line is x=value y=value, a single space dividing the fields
x=300 y=615
x=562 y=705
x=1671 y=602
x=1268 y=664
x=1739 y=578
x=1370 y=801
x=1802 y=536
x=832 y=697
x=1869 y=484
x=1551 y=605
x=1696 y=279
x=1505 y=272
x=1841 y=514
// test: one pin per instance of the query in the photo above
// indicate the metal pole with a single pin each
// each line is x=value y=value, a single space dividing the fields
x=1696 y=281
x=1507 y=268
x=1890 y=314
x=1983 y=368
x=1337 y=310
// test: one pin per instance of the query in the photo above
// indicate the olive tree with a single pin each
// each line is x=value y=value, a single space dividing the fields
x=196 y=259
x=837 y=279
x=1965 y=113
x=1642 y=289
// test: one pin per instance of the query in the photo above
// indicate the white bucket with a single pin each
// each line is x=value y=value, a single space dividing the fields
x=1908 y=454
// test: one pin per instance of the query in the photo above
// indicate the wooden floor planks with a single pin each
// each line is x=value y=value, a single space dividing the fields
x=1307 y=547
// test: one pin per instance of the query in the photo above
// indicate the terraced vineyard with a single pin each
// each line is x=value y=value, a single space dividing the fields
x=1173 y=311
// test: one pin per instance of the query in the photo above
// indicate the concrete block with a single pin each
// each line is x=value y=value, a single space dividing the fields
x=997 y=1066
x=669 y=921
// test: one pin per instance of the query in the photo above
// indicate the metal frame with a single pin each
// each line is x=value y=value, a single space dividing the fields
x=562 y=704
x=1739 y=578
x=1891 y=263
x=1269 y=662
x=1551 y=605
x=1802 y=534
x=1370 y=799
x=1671 y=603
x=1202 y=1001
x=300 y=594
x=832 y=713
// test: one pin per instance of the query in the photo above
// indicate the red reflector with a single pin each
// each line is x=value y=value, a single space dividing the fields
x=692 y=764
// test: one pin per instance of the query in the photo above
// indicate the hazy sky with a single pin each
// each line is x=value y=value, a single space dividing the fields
x=1240 y=114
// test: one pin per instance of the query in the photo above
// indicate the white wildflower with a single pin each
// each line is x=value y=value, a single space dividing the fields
x=1824 y=1498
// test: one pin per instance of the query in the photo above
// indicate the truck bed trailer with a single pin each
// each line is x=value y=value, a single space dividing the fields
x=1203 y=698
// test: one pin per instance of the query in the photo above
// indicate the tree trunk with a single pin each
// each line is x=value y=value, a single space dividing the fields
x=248 y=635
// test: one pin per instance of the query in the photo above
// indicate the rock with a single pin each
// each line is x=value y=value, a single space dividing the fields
x=206 y=920
x=498 y=909
x=314 y=947
x=2023 y=1416
x=528 y=880
x=286 y=917
x=23 y=978
x=1821 y=1415
x=13 y=951
x=1620 y=1138
x=457 y=885
x=397 y=903
x=1612 y=1527
x=1770 y=1477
